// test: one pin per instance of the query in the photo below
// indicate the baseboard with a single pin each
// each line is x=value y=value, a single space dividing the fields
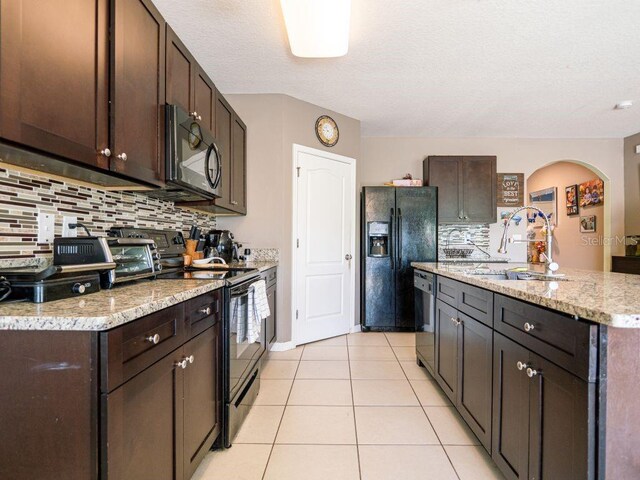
x=282 y=346
x=355 y=328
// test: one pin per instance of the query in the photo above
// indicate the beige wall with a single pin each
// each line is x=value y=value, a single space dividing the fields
x=632 y=185
x=572 y=248
x=274 y=123
x=384 y=158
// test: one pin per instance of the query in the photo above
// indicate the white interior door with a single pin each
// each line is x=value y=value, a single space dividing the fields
x=324 y=227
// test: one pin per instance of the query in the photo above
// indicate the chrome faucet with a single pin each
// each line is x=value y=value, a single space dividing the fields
x=551 y=267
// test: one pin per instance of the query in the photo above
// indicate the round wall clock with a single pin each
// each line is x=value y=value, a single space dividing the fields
x=327 y=131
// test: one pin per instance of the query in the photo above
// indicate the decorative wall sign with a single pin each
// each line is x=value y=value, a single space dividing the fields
x=592 y=193
x=571 y=197
x=510 y=189
x=588 y=224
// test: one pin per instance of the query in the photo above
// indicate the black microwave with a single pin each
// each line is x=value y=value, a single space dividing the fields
x=193 y=160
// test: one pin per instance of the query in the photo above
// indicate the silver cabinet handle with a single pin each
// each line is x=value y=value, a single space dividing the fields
x=190 y=358
x=155 y=339
x=206 y=311
x=122 y=156
x=234 y=202
x=181 y=364
x=466 y=217
x=531 y=372
x=348 y=256
x=455 y=321
x=521 y=365
x=106 y=152
x=528 y=327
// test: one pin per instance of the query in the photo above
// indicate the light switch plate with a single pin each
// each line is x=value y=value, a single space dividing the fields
x=66 y=231
x=46 y=227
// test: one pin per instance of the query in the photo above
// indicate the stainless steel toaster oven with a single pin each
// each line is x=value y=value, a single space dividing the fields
x=135 y=258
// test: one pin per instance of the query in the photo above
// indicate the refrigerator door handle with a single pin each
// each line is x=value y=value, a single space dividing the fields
x=399 y=238
x=391 y=239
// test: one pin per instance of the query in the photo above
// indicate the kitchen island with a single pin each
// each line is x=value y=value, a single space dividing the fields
x=542 y=371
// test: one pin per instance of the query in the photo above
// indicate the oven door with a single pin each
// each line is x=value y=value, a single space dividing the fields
x=194 y=160
x=246 y=339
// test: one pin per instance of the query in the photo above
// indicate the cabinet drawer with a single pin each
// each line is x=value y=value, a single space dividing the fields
x=127 y=350
x=270 y=276
x=447 y=290
x=202 y=312
x=567 y=342
x=476 y=302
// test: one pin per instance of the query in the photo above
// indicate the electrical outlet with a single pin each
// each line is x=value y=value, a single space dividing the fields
x=66 y=231
x=46 y=227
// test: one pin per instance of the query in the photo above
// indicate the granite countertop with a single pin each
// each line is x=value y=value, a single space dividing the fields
x=260 y=265
x=105 y=309
x=607 y=298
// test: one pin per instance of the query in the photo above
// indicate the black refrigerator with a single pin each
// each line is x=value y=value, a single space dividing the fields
x=399 y=226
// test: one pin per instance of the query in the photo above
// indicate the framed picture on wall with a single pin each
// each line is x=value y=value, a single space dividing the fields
x=592 y=193
x=571 y=196
x=588 y=224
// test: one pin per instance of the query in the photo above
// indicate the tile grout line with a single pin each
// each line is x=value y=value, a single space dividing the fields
x=273 y=444
x=353 y=407
x=425 y=412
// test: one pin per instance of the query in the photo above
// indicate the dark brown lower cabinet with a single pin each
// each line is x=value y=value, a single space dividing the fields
x=142 y=424
x=543 y=417
x=446 y=347
x=202 y=397
x=475 y=373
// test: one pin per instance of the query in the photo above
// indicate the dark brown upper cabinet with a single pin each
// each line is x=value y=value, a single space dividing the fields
x=239 y=166
x=138 y=90
x=187 y=85
x=53 y=77
x=466 y=187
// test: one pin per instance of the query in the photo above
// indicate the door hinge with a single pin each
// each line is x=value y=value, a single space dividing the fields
x=296 y=314
x=297 y=243
x=298 y=168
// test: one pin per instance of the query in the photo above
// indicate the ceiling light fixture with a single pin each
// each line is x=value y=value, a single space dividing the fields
x=317 y=29
x=623 y=105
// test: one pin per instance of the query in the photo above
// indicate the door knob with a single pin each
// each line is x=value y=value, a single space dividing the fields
x=122 y=156
x=521 y=365
x=181 y=364
x=348 y=256
x=531 y=372
x=106 y=152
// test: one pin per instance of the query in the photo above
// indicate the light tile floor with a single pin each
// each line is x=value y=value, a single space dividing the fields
x=355 y=407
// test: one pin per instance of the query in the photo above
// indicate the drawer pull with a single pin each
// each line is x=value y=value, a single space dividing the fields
x=190 y=358
x=455 y=321
x=521 y=365
x=181 y=364
x=206 y=311
x=528 y=327
x=155 y=339
x=531 y=372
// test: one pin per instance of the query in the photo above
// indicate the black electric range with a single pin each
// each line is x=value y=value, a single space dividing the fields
x=231 y=276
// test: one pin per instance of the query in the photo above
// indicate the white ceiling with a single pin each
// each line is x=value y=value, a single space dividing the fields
x=438 y=68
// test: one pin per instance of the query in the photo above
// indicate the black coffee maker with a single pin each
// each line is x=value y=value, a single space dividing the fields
x=220 y=243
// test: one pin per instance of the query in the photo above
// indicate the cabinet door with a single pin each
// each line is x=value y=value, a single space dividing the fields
x=475 y=376
x=239 y=166
x=446 y=174
x=180 y=73
x=479 y=189
x=271 y=320
x=202 y=396
x=447 y=349
x=562 y=434
x=510 y=442
x=224 y=120
x=205 y=100
x=138 y=93
x=142 y=425
x=53 y=77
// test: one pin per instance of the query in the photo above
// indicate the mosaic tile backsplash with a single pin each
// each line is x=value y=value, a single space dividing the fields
x=22 y=195
x=456 y=235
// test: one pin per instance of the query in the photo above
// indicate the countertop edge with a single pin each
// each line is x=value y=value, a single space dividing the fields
x=610 y=319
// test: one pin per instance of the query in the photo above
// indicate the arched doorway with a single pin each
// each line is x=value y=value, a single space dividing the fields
x=575 y=247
